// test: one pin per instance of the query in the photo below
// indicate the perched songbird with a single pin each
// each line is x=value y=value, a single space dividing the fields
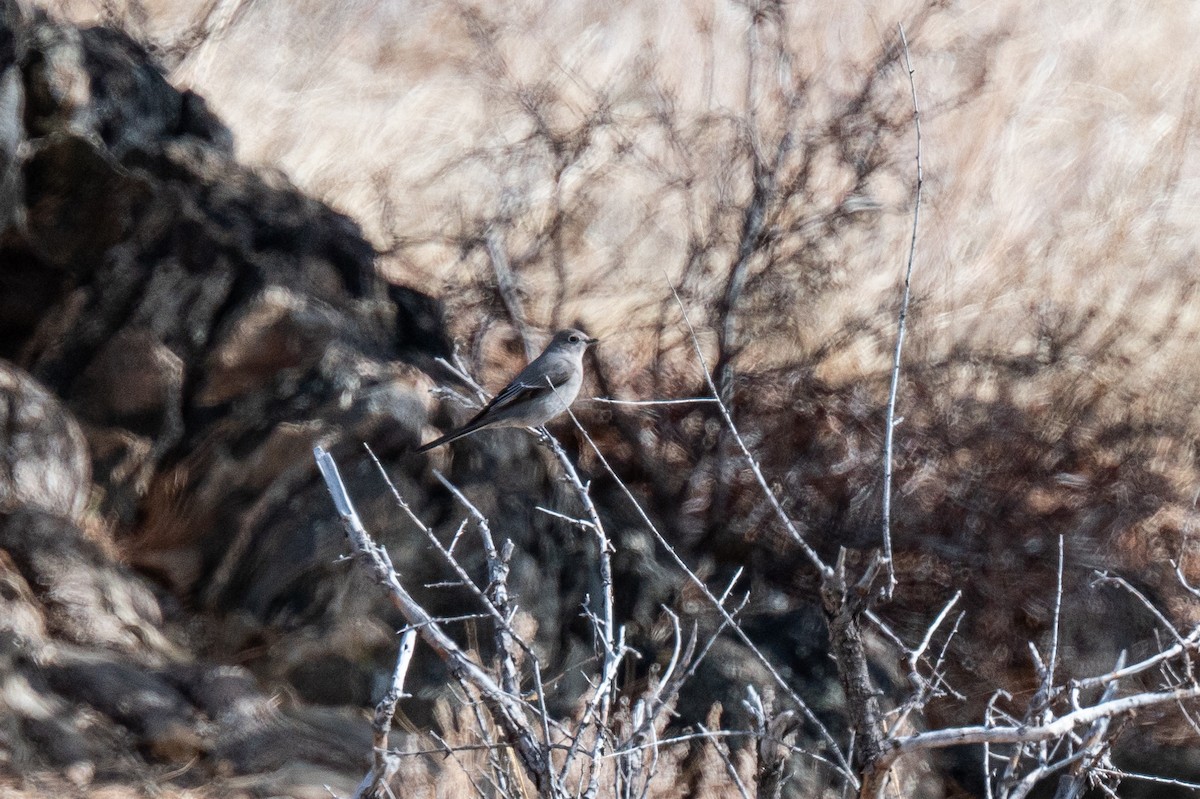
x=541 y=391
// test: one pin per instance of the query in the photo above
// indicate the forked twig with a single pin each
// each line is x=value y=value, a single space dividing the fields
x=507 y=710
x=384 y=762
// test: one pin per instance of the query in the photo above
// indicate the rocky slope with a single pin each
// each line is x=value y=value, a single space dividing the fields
x=176 y=332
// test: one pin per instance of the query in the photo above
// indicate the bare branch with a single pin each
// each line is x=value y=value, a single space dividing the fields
x=1191 y=589
x=384 y=763
x=729 y=769
x=1072 y=786
x=1058 y=594
x=922 y=687
x=495 y=603
x=507 y=710
x=1191 y=642
x=1133 y=775
x=610 y=640
x=497 y=590
x=890 y=431
x=686 y=401
x=937 y=622
x=874 y=781
x=1105 y=578
x=506 y=286
x=458 y=370
x=840 y=763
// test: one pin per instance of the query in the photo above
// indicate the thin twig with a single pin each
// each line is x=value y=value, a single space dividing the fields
x=901 y=327
x=810 y=553
x=443 y=750
x=507 y=288
x=1104 y=577
x=691 y=736
x=1191 y=589
x=447 y=620
x=1191 y=642
x=452 y=753
x=1133 y=775
x=1058 y=594
x=729 y=769
x=685 y=401
x=458 y=371
x=937 y=622
x=584 y=523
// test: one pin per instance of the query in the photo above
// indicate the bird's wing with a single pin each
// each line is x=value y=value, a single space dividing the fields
x=529 y=384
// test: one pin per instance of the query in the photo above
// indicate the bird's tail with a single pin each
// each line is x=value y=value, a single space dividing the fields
x=453 y=435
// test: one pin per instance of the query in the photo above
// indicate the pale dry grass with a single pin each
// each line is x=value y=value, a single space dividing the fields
x=1062 y=173
x=1061 y=168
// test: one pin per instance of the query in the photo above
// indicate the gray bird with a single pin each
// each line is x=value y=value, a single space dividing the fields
x=541 y=391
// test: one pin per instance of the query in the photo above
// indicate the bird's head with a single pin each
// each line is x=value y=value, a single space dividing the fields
x=572 y=340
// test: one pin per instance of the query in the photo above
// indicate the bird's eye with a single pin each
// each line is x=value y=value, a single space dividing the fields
x=574 y=339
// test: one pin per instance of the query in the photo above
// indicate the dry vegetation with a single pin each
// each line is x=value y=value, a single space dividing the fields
x=537 y=164
x=1061 y=171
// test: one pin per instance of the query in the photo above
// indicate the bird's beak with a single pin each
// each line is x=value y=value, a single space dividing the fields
x=592 y=341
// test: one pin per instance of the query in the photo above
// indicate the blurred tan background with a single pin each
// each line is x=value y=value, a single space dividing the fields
x=1061 y=171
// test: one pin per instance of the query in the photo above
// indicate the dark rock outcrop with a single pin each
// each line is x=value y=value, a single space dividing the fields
x=176 y=332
